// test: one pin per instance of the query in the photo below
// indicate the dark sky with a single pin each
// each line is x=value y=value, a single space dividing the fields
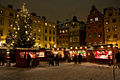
x=62 y=9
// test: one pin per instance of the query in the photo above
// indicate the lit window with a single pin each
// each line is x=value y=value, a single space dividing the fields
x=39 y=30
x=99 y=34
x=108 y=29
x=35 y=21
x=114 y=28
x=66 y=31
x=45 y=24
x=91 y=20
x=107 y=22
x=73 y=23
x=63 y=31
x=66 y=24
x=54 y=26
x=50 y=25
x=1 y=12
x=96 y=19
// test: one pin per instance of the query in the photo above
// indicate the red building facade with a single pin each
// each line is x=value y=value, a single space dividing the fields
x=95 y=28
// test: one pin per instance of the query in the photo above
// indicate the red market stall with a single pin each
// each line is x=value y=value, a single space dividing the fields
x=21 y=56
x=77 y=51
x=102 y=54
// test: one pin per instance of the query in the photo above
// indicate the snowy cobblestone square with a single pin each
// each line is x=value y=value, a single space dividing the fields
x=66 y=71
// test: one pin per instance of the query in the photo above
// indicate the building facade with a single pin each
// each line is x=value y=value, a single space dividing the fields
x=71 y=34
x=112 y=26
x=95 y=28
x=7 y=16
x=77 y=33
x=63 y=35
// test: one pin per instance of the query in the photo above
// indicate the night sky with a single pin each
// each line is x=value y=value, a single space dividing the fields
x=62 y=9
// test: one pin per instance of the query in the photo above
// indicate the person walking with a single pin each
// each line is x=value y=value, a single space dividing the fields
x=109 y=60
x=75 y=59
x=28 y=60
x=57 y=60
x=80 y=58
x=118 y=59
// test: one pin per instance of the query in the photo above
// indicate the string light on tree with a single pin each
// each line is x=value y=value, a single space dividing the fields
x=21 y=33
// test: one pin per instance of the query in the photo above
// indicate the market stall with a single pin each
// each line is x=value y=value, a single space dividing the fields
x=25 y=56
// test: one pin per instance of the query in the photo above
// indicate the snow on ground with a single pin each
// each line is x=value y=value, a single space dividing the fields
x=66 y=71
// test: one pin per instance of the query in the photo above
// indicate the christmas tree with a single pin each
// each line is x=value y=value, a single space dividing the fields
x=21 y=35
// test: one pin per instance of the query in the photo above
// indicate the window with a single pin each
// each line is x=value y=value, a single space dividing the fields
x=11 y=14
x=114 y=20
x=110 y=14
x=50 y=25
x=1 y=21
x=114 y=28
x=53 y=38
x=89 y=35
x=38 y=37
x=45 y=45
x=108 y=37
x=45 y=24
x=108 y=29
x=89 y=27
x=94 y=34
x=107 y=22
x=1 y=32
x=70 y=39
x=96 y=19
x=49 y=31
x=99 y=34
x=49 y=38
x=54 y=26
x=99 y=25
x=45 y=38
x=66 y=30
x=115 y=37
x=91 y=20
x=1 y=12
x=45 y=30
x=53 y=31
x=63 y=31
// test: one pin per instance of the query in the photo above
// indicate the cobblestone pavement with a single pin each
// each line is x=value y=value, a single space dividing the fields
x=66 y=71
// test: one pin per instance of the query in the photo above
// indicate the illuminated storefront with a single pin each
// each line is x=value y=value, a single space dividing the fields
x=103 y=54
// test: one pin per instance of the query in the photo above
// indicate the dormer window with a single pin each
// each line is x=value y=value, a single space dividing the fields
x=91 y=20
x=96 y=19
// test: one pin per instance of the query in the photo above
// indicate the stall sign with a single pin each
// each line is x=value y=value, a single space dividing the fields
x=40 y=54
x=103 y=54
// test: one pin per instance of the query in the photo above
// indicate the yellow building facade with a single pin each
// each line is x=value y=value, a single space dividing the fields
x=40 y=26
x=7 y=16
x=45 y=32
x=49 y=40
x=112 y=26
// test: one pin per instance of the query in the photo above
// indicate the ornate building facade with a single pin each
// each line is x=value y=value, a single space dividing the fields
x=112 y=26
x=77 y=33
x=95 y=28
